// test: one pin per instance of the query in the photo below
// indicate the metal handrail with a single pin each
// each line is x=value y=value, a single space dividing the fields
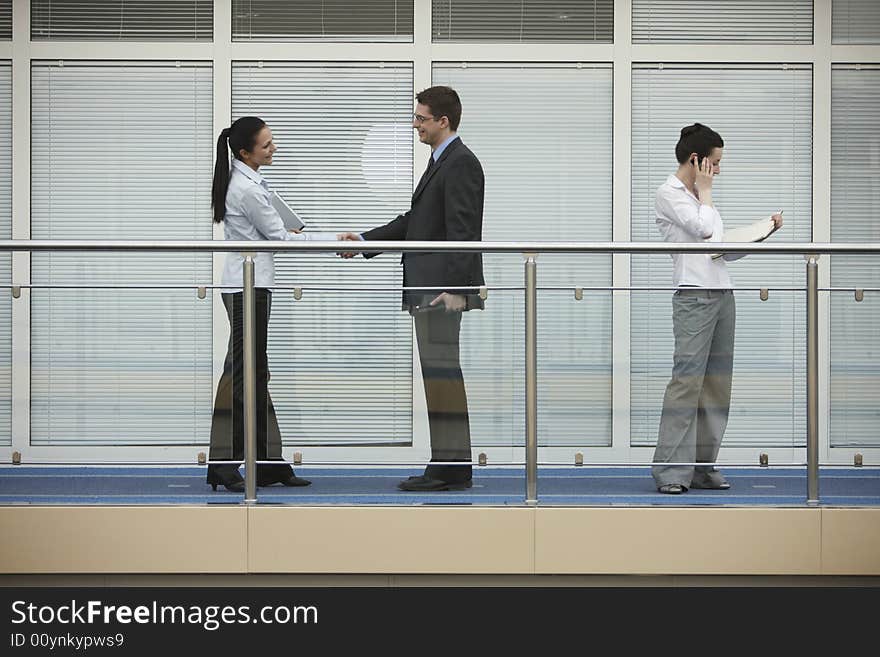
x=402 y=288
x=800 y=248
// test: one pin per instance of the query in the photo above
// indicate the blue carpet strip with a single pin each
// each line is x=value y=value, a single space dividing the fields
x=151 y=485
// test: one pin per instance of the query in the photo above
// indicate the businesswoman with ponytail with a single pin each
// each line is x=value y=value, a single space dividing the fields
x=240 y=198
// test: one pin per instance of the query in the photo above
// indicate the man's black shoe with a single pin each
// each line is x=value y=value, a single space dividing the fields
x=292 y=480
x=422 y=484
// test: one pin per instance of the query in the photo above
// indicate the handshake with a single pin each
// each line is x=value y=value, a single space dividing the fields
x=351 y=237
x=444 y=300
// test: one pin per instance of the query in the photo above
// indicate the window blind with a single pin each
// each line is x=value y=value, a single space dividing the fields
x=122 y=20
x=543 y=181
x=341 y=360
x=515 y=21
x=6 y=258
x=855 y=197
x=722 y=21
x=121 y=150
x=322 y=20
x=763 y=113
x=855 y=21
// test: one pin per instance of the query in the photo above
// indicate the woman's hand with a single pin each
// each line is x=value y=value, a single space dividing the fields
x=703 y=176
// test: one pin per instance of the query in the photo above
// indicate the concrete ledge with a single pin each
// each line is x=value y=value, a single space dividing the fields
x=851 y=541
x=391 y=540
x=62 y=539
x=678 y=541
x=439 y=541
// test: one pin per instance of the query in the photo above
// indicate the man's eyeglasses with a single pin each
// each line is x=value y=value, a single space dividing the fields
x=418 y=118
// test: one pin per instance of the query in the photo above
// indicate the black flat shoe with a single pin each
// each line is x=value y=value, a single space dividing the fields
x=292 y=480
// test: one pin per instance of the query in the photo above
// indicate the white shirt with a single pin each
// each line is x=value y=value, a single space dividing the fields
x=682 y=218
x=250 y=216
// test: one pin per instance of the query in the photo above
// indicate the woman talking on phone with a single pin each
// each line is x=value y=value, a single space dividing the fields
x=241 y=199
x=697 y=400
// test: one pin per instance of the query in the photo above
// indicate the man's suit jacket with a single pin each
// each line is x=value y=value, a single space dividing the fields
x=447 y=205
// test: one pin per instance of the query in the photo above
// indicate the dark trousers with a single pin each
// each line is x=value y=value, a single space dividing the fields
x=437 y=334
x=227 y=422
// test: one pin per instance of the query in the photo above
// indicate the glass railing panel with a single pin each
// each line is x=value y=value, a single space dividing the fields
x=676 y=371
x=854 y=352
x=132 y=395
x=120 y=395
x=850 y=465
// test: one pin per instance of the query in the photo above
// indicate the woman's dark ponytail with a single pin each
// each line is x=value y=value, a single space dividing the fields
x=241 y=135
x=221 y=176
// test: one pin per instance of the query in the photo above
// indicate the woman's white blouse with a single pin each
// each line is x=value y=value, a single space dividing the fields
x=681 y=217
x=250 y=216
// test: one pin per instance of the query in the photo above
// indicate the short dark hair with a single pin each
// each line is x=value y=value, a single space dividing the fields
x=699 y=139
x=443 y=101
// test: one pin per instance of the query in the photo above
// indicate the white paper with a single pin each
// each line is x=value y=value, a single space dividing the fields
x=290 y=218
x=754 y=232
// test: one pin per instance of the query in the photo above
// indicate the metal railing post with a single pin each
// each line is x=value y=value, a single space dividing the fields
x=250 y=383
x=812 y=379
x=531 y=314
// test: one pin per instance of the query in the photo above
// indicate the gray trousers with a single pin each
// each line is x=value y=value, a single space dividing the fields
x=437 y=334
x=697 y=400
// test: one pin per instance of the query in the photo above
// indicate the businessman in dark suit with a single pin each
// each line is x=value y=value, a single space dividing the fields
x=447 y=205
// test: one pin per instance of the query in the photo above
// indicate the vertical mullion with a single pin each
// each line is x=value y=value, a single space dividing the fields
x=21 y=225
x=622 y=230
x=821 y=220
x=222 y=113
x=423 y=73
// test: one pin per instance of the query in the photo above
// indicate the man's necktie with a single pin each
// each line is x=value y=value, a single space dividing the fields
x=427 y=169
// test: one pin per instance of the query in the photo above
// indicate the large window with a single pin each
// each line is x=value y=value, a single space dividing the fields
x=721 y=21
x=122 y=20
x=544 y=181
x=855 y=198
x=855 y=21
x=763 y=113
x=341 y=360
x=5 y=19
x=557 y=97
x=120 y=150
x=514 y=21
x=322 y=20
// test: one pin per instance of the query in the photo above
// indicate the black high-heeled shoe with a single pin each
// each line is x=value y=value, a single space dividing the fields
x=231 y=486
x=234 y=486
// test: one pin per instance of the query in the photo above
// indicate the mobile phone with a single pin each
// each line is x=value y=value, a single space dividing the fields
x=699 y=160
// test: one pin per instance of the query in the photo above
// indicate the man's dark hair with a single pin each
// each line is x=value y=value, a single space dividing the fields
x=443 y=101
x=699 y=139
